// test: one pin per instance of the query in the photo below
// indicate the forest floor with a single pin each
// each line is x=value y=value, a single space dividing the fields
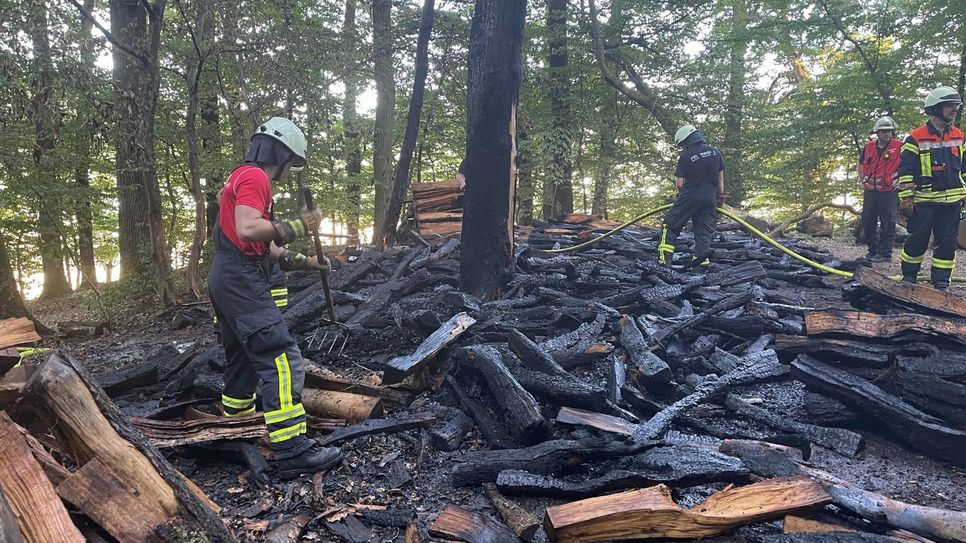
x=400 y=471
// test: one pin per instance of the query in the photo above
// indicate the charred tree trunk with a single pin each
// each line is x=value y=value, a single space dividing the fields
x=82 y=176
x=350 y=132
x=136 y=29
x=734 y=107
x=43 y=113
x=525 y=191
x=385 y=100
x=193 y=77
x=493 y=85
x=400 y=182
x=558 y=193
x=11 y=304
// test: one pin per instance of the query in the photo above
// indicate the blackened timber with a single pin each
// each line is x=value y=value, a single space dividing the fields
x=389 y=292
x=477 y=467
x=532 y=356
x=838 y=439
x=731 y=302
x=894 y=327
x=518 y=407
x=558 y=389
x=826 y=411
x=920 y=431
x=921 y=357
x=917 y=297
x=403 y=366
x=321 y=378
x=653 y=369
x=757 y=367
x=449 y=435
x=462 y=525
x=120 y=382
x=936 y=396
x=492 y=431
x=600 y=421
x=379 y=426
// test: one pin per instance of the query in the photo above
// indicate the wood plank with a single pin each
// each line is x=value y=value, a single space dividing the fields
x=98 y=492
x=40 y=514
x=18 y=331
x=403 y=366
x=917 y=429
x=651 y=513
x=837 y=322
x=600 y=421
x=915 y=296
x=437 y=216
x=462 y=525
x=174 y=433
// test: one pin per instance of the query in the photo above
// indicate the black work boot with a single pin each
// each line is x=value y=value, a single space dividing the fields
x=315 y=458
x=909 y=278
x=941 y=287
x=882 y=258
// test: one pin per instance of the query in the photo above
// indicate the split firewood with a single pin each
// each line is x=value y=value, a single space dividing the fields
x=90 y=426
x=652 y=368
x=518 y=407
x=10 y=384
x=29 y=496
x=171 y=433
x=516 y=517
x=840 y=440
x=929 y=393
x=15 y=332
x=483 y=466
x=462 y=525
x=871 y=325
x=600 y=421
x=651 y=513
x=769 y=460
x=920 y=431
x=379 y=426
x=403 y=366
x=343 y=405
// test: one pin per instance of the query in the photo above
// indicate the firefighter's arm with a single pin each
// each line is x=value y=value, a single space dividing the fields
x=908 y=164
x=250 y=226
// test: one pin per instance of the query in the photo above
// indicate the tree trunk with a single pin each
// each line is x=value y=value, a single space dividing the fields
x=608 y=153
x=82 y=177
x=44 y=116
x=350 y=132
x=493 y=86
x=385 y=111
x=400 y=182
x=136 y=77
x=195 y=64
x=11 y=304
x=961 y=82
x=211 y=151
x=732 y=146
x=558 y=192
x=525 y=191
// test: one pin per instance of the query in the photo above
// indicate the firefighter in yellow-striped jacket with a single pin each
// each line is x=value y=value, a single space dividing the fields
x=932 y=185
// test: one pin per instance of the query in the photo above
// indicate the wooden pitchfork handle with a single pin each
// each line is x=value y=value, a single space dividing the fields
x=323 y=274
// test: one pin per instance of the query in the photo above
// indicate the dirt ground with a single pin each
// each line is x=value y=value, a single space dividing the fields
x=401 y=471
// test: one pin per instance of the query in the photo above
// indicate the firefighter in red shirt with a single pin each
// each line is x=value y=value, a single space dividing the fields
x=931 y=182
x=878 y=170
x=258 y=346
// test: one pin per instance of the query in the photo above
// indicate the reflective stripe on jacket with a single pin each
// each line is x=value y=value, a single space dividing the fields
x=931 y=165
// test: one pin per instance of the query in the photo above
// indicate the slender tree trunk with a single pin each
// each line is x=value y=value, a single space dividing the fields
x=525 y=192
x=400 y=181
x=732 y=146
x=11 y=304
x=385 y=104
x=961 y=82
x=211 y=151
x=83 y=210
x=193 y=79
x=350 y=134
x=493 y=86
x=608 y=152
x=558 y=196
x=44 y=115
x=144 y=251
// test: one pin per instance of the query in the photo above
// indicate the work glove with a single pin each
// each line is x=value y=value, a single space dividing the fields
x=288 y=231
x=906 y=206
x=320 y=263
x=290 y=260
x=721 y=198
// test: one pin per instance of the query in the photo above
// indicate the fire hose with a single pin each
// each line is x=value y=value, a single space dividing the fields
x=744 y=224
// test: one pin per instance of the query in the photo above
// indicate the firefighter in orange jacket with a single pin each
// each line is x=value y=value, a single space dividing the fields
x=931 y=182
x=879 y=172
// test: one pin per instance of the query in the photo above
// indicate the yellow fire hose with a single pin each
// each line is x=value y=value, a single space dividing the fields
x=751 y=229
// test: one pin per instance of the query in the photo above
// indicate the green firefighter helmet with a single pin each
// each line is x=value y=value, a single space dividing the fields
x=287 y=134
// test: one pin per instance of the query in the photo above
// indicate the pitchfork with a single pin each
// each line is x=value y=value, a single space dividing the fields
x=334 y=332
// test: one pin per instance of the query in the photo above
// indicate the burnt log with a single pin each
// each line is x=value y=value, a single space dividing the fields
x=549 y=457
x=839 y=440
x=516 y=517
x=731 y=302
x=518 y=407
x=321 y=378
x=462 y=525
x=826 y=411
x=936 y=396
x=341 y=405
x=379 y=426
x=403 y=366
x=120 y=382
x=917 y=429
x=653 y=369
x=769 y=460
x=916 y=297
x=490 y=428
x=558 y=389
x=449 y=435
x=651 y=513
x=893 y=327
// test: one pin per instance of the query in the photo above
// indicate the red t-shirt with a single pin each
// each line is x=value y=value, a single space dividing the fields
x=247 y=186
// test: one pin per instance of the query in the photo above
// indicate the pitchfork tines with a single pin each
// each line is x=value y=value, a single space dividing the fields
x=332 y=334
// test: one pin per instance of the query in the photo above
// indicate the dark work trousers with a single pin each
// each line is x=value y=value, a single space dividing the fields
x=279 y=294
x=257 y=346
x=695 y=202
x=880 y=209
x=942 y=222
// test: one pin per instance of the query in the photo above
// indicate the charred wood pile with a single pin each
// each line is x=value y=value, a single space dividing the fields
x=601 y=397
